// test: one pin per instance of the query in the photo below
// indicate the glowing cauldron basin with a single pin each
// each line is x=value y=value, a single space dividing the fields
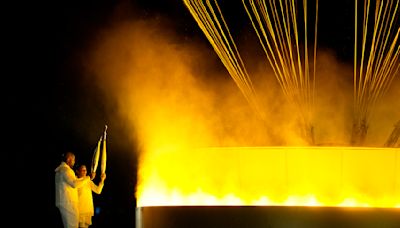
x=279 y=176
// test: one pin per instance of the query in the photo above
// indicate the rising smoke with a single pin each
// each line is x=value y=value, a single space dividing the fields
x=172 y=92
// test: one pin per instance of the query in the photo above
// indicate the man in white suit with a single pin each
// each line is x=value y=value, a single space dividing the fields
x=67 y=185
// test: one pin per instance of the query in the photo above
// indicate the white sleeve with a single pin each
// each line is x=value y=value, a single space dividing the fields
x=71 y=179
x=97 y=188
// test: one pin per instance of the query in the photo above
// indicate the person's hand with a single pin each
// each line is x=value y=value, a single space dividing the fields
x=92 y=175
x=103 y=176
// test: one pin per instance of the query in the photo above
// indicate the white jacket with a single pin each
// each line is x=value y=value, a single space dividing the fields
x=67 y=185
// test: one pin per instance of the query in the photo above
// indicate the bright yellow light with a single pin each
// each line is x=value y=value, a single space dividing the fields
x=287 y=176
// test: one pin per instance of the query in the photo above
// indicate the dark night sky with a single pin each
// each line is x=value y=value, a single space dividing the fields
x=51 y=110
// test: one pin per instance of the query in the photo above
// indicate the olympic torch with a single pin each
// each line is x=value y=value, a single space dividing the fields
x=104 y=152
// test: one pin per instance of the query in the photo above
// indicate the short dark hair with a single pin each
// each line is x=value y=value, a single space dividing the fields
x=66 y=155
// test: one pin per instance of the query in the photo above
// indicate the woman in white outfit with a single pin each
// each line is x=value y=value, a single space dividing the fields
x=85 y=198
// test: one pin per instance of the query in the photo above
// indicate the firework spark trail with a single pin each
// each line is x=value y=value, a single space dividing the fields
x=276 y=25
x=211 y=21
x=379 y=62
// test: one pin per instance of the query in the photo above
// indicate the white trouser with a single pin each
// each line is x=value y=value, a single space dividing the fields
x=70 y=219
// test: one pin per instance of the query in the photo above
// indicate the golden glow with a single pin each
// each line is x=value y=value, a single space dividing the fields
x=211 y=21
x=376 y=56
x=278 y=32
x=171 y=99
x=287 y=176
